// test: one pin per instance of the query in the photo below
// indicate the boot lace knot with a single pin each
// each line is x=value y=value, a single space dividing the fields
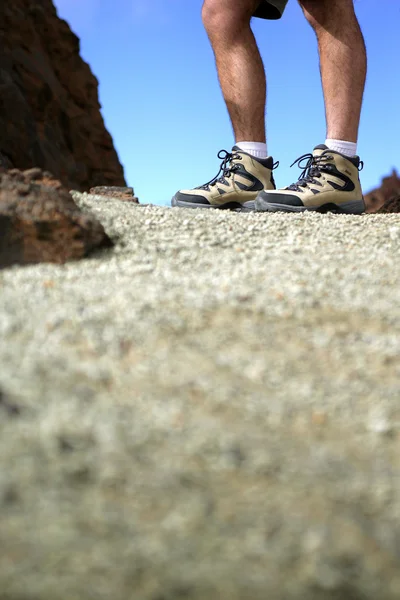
x=311 y=170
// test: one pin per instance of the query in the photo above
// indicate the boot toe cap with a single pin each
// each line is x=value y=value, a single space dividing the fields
x=185 y=197
x=278 y=197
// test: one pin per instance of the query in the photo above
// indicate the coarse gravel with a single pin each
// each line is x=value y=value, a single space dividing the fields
x=210 y=410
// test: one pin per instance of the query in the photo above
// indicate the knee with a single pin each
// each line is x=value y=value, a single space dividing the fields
x=211 y=13
x=315 y=12
x=326 y=14
x=224 y=17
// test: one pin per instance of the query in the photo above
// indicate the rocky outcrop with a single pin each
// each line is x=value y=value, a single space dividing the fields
x=49 y=108
x=389 y=188
x=40 y=222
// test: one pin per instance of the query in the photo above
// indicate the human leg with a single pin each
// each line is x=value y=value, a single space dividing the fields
x=239 y=65
x=330 y=178
x=244 y=171
x=343 y=63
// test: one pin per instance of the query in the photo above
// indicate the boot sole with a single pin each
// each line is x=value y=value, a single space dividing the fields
x=356 y=207
x=248 y=206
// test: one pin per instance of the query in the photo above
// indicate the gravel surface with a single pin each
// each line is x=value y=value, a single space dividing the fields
x=208 y=411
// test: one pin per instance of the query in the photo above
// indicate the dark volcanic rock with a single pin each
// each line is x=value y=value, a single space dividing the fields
x=40 y=222
x=389 y=188
x=49 y=108
x=5 y=163
x=391 y=206
x=120 y=193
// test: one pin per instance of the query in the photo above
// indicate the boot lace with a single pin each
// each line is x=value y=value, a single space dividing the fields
x=227 y=168
x=311 y=170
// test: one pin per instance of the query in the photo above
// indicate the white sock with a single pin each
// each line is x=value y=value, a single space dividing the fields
x=256 y=149
x=346 y=148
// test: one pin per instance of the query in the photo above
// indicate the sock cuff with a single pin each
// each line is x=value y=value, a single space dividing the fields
x=342 y=146
x=256 y=149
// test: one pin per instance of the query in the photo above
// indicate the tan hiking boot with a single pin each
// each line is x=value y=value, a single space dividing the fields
x=328 y=183
x=243 y=177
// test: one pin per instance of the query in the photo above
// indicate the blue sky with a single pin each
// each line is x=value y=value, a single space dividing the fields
x=162 y=104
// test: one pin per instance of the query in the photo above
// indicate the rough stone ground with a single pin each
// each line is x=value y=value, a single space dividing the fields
x=208 y=411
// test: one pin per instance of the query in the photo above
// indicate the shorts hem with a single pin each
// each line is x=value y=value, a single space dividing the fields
x=267 y=10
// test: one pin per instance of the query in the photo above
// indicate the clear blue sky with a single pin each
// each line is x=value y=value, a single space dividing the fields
x=162 y=104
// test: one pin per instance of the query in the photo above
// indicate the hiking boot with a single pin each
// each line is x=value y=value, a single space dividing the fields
x=329 y=183
x=240 y=178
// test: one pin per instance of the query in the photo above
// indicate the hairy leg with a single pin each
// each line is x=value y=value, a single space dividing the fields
x=343 y=63
x=240 y=69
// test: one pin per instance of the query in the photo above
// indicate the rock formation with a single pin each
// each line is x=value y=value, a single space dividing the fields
x=49 y=108
x=40 y=222
x=391 y=206
x=388 y=190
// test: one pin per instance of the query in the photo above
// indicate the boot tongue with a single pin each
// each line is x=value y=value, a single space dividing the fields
x=318 y=150
x=237 y=149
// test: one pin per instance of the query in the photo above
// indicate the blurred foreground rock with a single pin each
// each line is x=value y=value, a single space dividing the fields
x=40 y=222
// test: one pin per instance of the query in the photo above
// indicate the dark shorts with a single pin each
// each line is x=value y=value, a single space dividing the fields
x=271 y=9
